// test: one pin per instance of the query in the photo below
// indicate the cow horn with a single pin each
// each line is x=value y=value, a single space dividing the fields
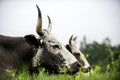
x=70 y=39
x=75 y=38
x=39 y=22
x=49 y=25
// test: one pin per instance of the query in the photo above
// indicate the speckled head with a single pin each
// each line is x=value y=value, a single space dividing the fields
x=72 y=47
x=50 y=52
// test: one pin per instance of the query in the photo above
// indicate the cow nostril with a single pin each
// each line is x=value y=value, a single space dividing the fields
x=74 y=67
x=85 y=70
x=78 y=64
x=89 y=68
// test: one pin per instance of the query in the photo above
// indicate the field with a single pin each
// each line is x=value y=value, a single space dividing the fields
x=95 y=75
x=103 y=58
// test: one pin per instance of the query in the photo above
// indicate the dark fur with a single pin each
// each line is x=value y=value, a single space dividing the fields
x=14 y=53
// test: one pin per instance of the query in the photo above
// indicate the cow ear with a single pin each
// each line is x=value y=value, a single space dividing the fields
x=68 y=47
x=32 y=40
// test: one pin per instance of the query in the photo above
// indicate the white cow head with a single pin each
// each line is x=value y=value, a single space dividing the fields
x=72 y=47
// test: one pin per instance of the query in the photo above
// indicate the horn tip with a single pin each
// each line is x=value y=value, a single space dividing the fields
x=39 y=11
x=49 y=19
x=37 y=6
x=70 y=39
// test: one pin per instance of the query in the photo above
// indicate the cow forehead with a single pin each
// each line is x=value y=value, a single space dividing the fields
x=74 y=47
x=48 y=36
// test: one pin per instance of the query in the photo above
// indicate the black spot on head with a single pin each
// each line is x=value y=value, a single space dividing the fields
x=52 y=62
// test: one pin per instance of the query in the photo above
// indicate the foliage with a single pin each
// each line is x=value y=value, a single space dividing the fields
x=103 y=55
x=96 y=75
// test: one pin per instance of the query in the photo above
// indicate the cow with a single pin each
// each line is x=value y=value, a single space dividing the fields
x=35 y=52
x=72 y=47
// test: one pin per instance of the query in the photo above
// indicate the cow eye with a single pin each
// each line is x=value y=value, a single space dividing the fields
x=77 y=54
x=56 y=46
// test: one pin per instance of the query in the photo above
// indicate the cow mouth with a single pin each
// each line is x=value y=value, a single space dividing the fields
x=86 y=70
x=74 y=68
x=61 y=70
x=73 y=71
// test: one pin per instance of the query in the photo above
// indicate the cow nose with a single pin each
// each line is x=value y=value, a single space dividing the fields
x=78 y=64
x=89 y=68
x=85 y=70
x=74 y=67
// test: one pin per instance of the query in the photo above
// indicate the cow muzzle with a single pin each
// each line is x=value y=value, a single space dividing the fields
x=86 y=70
x=74 y=67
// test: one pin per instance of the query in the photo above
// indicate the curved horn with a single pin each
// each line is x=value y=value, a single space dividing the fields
x=49 y=25
x=70 y=39
x=39 y=22
x=75 y=38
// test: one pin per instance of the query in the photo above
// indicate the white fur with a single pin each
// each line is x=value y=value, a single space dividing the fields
x=69 y=58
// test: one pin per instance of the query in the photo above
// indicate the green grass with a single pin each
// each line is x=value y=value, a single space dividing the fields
x=24 y=75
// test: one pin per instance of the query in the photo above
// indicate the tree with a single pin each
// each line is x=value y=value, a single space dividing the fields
x=101 y=54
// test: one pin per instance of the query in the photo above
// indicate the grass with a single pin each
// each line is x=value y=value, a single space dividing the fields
x=24 y=75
